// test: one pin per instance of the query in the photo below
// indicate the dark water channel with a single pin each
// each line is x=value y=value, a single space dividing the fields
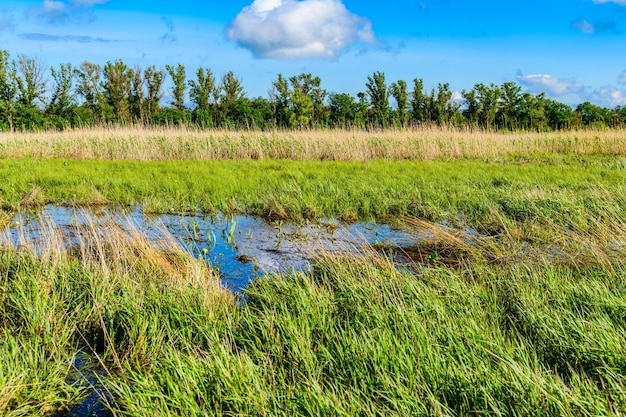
x=88 y=373
x=240 y=247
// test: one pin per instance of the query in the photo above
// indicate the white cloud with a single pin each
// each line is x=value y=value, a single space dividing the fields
x=292 y=28
x=622 y=78
x=606 y=96
x=584 y=27
x=57 y=11
x=620 y=2
x=539 y=83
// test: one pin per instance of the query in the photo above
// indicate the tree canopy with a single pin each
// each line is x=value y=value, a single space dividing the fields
x=91 y=94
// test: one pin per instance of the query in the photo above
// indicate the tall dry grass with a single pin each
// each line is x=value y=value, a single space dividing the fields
x=423 y=143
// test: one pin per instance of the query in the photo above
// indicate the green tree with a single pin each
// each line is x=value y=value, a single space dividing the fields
x=203 y=94
x=137 y=96
x=154 y=84
x=302 y=107
x=509 y=106
x=31 y=82
x=559 y=115
x=379 y=97
x=532 y=112
x=308 y=85
x=343 y=109
x=202 y=90
x=620 y=114
x=488 y=96
x=444 y=108
x=472 y=106
x=179 y=78
x=418 y=101
x=258 y=113
x=118 y=79
x=230 y=91
x=89 y=86
x=62 y=101
x=399 y=93
x=8 y=91
x=280 y=96
x=594 y=115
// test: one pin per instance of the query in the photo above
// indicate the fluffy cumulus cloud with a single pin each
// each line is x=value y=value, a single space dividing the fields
x=606 y=96
x=290 y=28
x=538 y=83
x=57 y=11
x=622 y=78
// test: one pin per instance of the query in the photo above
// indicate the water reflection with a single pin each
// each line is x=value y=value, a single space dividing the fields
x=240 y=247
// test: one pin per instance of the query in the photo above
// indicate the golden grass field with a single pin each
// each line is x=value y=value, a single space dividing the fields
x=425 y=143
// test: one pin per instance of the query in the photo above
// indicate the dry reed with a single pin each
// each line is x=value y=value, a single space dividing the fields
x=423 y=143
x=112 y=249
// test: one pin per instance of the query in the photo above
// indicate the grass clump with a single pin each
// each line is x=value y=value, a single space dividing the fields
x=112 y=295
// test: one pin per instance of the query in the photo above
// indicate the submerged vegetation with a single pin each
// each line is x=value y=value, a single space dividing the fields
x=511 y=303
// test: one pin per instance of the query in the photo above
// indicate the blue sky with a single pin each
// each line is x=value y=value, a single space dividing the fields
x=574 y=50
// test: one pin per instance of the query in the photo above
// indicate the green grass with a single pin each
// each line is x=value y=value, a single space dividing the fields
x=511 y=328
x=528 y=317
x=474 y=191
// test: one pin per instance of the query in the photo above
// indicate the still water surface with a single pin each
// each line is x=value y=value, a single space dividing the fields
x=241 y=247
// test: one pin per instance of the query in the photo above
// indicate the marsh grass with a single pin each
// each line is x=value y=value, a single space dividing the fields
x=98 y=289
x=514 y=305
x=5 y=219
x=483 y=195
x=424 y=143
x=520 y=323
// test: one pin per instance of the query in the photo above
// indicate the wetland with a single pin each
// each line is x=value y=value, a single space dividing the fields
x=439 y=279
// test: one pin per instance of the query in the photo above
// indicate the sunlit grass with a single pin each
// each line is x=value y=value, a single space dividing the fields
x=425 y=143
x=476 y=192
x=515 y=327
x=106 y=294
x=513 y=304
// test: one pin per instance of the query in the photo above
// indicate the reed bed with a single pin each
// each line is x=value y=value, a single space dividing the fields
x=422 y=143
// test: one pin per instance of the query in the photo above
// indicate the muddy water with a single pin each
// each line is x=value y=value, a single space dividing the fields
x=240 y=247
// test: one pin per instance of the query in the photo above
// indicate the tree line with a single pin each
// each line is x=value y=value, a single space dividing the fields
x=91 y=94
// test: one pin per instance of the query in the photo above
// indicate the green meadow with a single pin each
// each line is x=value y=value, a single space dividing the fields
x=538 y=188
x=515 y=304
